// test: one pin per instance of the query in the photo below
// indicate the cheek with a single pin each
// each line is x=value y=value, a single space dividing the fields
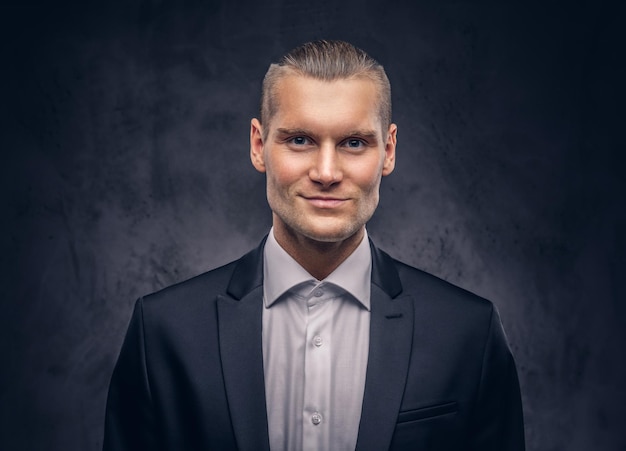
x=285 y=171
x=280 y=176
x=367 y=176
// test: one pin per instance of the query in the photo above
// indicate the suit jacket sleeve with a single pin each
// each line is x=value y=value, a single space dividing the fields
x=498 y=423
x=129 y=423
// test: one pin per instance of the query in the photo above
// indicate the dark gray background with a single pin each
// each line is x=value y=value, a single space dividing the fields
x=125 y=168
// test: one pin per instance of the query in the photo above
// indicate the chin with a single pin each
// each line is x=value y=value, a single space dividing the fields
x=330 y=234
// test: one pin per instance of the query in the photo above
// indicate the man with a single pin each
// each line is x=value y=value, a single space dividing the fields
x=317 y=340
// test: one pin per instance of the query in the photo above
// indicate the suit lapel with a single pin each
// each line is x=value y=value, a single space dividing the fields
x=240 y=333
x=391 y=331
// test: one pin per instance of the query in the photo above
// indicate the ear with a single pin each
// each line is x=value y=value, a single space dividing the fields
x=390 y=150
x=256 y=145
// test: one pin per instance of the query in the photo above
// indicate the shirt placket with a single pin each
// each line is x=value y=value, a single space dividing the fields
x=317 y=371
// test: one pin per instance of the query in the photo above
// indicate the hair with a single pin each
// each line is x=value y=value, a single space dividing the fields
x=327 y=61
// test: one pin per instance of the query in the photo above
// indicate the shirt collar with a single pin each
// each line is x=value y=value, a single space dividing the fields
x=281 y=272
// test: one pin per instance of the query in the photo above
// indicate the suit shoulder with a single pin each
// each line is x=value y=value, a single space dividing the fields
x=426 y=287
x=200 y=288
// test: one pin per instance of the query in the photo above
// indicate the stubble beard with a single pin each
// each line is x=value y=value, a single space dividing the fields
x=298 y=223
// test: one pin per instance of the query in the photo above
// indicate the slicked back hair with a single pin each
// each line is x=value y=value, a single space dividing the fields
x=326 y=61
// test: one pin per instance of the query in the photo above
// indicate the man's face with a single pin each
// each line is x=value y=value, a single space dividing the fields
x=324 y=156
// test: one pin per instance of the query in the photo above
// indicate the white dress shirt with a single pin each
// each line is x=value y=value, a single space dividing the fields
x=315 y=349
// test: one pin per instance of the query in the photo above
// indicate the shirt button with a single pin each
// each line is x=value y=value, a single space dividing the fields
x=318 y=293
x=316 y=418
x=317 y=341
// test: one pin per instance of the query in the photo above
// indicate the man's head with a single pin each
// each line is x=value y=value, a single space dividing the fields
x=325 y=141
x=326 y=61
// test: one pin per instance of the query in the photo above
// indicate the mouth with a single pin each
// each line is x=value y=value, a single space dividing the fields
x=325 y=202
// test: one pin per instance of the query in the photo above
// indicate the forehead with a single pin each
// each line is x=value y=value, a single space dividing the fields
x=303 y=101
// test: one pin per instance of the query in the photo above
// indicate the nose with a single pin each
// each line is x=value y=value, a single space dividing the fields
x=326 y=167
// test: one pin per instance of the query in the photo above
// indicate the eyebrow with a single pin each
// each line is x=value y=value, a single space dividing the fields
x=365 y=134
x=293 y=131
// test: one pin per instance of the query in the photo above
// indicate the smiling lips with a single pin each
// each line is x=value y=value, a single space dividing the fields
x=325 y=202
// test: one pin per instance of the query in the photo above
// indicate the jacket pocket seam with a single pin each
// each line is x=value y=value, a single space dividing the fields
x=427 y=412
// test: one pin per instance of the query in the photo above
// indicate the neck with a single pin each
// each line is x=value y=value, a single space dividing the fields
x=319 y=258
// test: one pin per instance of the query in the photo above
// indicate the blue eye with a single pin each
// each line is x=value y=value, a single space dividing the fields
x=300 y=141
x=354 y=143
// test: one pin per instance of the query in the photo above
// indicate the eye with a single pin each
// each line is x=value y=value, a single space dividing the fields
x=354 y=143
x=300 y=141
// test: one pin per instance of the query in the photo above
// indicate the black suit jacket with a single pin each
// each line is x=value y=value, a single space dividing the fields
x=440 y=375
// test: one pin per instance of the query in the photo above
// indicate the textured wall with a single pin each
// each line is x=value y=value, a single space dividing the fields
x=125 y=165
